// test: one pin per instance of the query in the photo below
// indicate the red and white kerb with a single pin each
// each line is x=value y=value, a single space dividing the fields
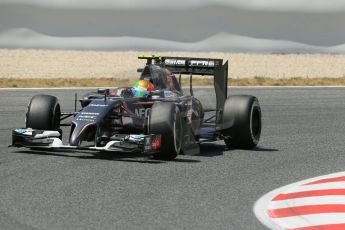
x=313 y=204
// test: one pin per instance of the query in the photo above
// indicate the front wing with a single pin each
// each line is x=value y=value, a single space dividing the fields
x=44 y=139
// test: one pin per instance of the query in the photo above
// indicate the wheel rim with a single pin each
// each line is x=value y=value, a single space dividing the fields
x=56 y=117
x=177 y=131
x=255 y=123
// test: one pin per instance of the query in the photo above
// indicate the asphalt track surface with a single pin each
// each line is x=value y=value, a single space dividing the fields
x=302 y=137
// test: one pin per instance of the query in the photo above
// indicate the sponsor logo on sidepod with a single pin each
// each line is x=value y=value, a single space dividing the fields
x=142 y=112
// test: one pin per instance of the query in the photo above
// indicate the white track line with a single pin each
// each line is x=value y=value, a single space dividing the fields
x=194 y=87
x=331 y=185
x=58 y=88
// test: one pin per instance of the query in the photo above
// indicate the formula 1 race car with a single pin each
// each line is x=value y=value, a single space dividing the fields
x=153 y=117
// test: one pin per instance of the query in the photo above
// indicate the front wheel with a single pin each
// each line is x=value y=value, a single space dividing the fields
x=241 y=124
x=165 y=119
x=43 y=113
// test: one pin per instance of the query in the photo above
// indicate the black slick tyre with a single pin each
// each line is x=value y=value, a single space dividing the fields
x=43 y=113
x=165 y=119
x=241 y=124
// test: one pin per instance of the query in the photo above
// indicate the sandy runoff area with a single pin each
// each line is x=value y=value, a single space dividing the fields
x=30 y=63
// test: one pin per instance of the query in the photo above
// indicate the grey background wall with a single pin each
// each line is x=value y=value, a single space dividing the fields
x=256 y=26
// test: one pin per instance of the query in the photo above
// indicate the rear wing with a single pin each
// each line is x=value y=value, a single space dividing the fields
x=185 y=65
x=197 y=66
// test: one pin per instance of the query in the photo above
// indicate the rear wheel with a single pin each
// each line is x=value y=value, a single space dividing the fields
x=43 y=113
x=241 y=121
x=165 y=119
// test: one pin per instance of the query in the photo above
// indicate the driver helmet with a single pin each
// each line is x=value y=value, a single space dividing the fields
x=142 y=88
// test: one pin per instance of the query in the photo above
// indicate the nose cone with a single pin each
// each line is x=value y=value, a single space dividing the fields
x=86 y=122
x=78 y=133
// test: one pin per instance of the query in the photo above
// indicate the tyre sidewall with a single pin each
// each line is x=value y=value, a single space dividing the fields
x=43 y=113
x=238 y=121
x=164 y=119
